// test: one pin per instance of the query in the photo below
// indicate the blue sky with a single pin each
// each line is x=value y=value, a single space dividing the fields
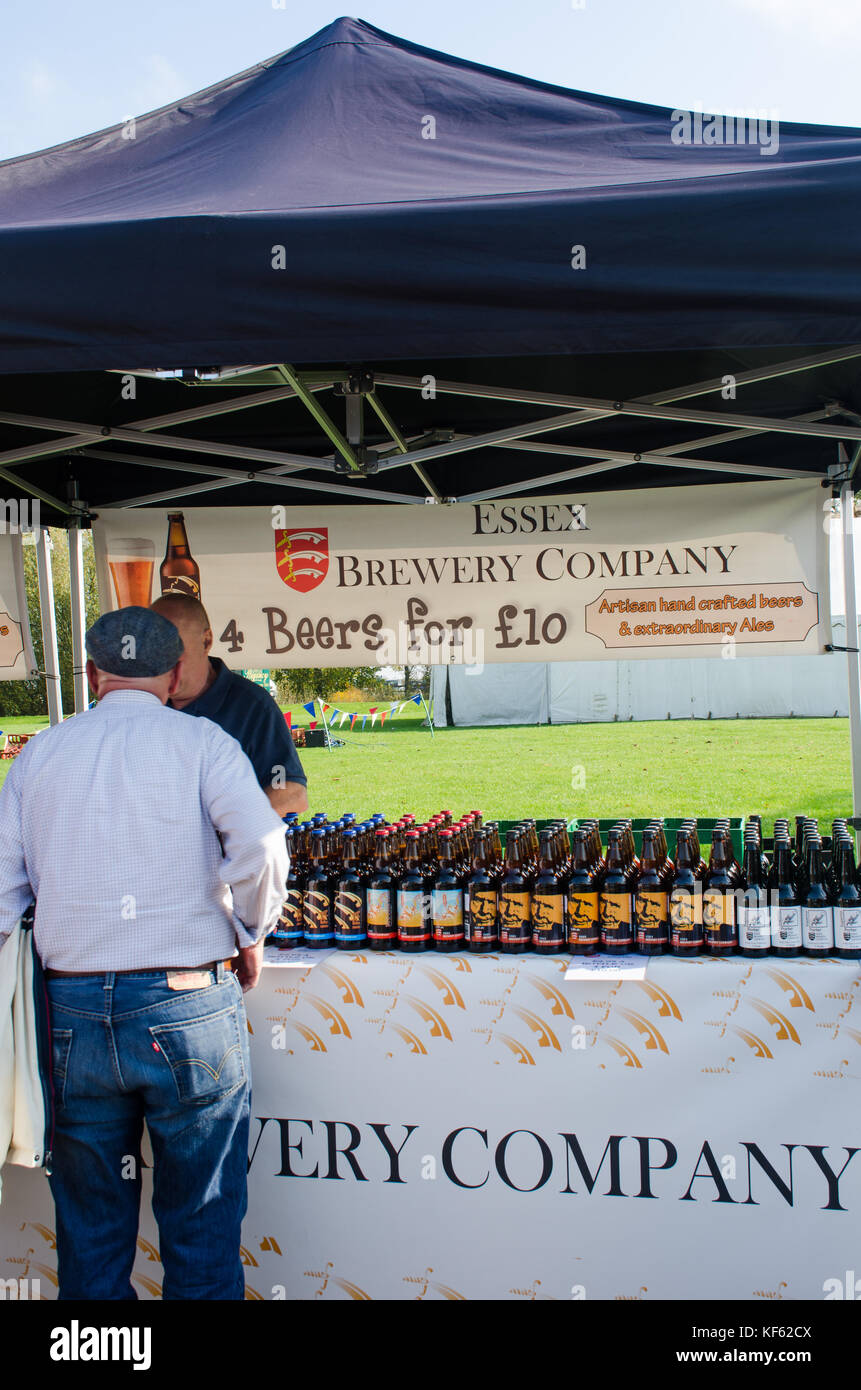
x=70 y=68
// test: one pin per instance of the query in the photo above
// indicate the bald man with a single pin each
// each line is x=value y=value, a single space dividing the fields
x=243 y=709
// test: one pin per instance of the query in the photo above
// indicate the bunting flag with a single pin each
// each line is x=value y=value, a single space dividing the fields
x=383 y=716
x=309 y=707
x=288 y=715
x=333 y=716
x=373 y=709
x=325 y=706
x=353 y=718
x=344 y=715
x=313 y=724
x=364 y=720
x=415 y=699
x=373 y=714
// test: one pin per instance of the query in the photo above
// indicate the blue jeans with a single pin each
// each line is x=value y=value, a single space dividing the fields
x=126 y=1048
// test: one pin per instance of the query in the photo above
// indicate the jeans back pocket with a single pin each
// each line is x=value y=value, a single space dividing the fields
x=204 y=1054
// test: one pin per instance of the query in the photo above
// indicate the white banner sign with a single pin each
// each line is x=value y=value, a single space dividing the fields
x=516 y=1135
x=17 y=662
x=739 y=568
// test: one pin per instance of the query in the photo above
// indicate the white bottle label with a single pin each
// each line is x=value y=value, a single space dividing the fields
x=847 y=927
x=786 y=926
x=818 y=923
x=754 y=928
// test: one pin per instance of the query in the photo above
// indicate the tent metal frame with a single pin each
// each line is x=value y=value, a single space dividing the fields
x=279 y=468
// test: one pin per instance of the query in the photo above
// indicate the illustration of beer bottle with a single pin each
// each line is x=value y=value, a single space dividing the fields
x=548 y=901
x=351 y=930
x=179 y=573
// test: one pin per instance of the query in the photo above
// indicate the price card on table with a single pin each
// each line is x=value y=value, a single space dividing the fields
x=297 y=957
x=628 y=967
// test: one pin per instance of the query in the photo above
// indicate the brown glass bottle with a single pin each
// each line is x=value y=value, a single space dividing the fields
x=548 y=900
x=650 y=901
x=615 y=899
x=719 y=917
x=380 y=898
x=515 y=903
x=481 y=904
x=413 y=900
x=686 y=898
x=582 y=900
x=447 y=900
x=179 y=573
x=847 y=909
x=318 y=919
x=351 y=929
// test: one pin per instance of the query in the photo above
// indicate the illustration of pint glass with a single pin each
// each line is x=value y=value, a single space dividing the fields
x=131 y=561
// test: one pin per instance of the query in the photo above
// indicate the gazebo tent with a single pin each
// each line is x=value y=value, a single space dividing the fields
x=365 y=256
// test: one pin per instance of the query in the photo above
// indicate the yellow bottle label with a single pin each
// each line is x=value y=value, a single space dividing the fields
x=482 y=914
x=617 y=914
x=651 y=908
x=515 y=921
x=548 y=913
x=379 y=910
x=583 y=918
x=686 y=910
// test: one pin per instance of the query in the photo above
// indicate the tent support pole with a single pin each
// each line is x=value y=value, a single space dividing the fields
x=853 y=658
x=50 y=653
x=78 y=615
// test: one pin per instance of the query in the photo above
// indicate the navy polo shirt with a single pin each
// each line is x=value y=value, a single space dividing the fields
x=249 y=713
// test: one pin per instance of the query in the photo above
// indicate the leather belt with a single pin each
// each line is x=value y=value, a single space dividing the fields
x=158 y=970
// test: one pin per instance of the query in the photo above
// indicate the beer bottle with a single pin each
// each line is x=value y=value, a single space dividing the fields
x=381 y=907
x=686 y=897
x=179 y=573
x=548 y=901
x=754 y=924
x=784 y=908
x=847 y=912
x=651 y=907
x=480 y=899
x=817 y=916
x=291 y=926
x=515 y=906
x=615 y=899
x=582 y=900
x=719 y=918
x=413 y=906
x=447 y=900
x=351 y=930
x=318 y=919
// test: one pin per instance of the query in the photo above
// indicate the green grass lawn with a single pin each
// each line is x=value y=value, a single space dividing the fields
x=698 y=767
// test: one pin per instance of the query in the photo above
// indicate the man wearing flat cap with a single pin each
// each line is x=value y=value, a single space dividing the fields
x=109 y=822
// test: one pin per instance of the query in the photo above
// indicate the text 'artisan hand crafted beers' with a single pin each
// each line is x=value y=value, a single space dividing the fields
x=179 y=572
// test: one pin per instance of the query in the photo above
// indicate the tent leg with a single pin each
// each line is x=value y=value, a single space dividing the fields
x=51 y=658
x=853 y=658
x=78 y=613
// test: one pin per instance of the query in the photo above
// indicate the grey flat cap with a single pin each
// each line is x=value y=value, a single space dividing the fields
x=134 y=642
